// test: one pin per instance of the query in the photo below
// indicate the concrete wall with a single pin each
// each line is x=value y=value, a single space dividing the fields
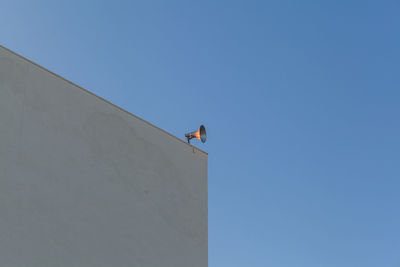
x=84 y=183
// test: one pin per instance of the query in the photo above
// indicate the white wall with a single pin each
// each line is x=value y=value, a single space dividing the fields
x=84 y=183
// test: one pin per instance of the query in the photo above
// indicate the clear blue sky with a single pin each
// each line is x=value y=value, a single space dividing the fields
x=301 y=100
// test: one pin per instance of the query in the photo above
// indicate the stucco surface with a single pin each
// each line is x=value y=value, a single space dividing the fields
x=83 y=183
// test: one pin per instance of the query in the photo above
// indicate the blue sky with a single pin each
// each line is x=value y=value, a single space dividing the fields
x=301 y=100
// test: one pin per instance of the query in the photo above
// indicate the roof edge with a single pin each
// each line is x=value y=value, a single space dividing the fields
x=102 y=99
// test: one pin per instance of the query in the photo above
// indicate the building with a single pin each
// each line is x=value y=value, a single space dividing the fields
x=85 y=183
